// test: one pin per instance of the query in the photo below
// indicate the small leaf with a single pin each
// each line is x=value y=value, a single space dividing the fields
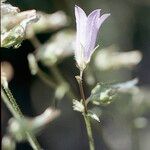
x=93 y=116
x=103 y=94
x=15 y=24
x=78 y=106
x=126 y=86
x=14 y=37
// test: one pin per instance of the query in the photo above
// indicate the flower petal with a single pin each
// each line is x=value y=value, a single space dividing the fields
x=91 y=33
x=93 y=13
x=81 y=20
x=102 y=19
x=79 y=13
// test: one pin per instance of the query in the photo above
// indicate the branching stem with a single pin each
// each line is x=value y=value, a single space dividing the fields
x=55 y=71
x=16 y=112
x=85 y=113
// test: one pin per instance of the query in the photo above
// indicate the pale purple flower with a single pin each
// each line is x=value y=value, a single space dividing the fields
x=87 y=30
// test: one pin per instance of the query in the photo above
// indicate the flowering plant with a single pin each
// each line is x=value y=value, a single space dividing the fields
x=44 y=63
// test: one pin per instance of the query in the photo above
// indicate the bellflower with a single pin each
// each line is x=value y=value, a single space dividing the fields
x=87 y=30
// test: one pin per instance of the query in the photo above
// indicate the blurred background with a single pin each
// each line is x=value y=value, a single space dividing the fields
x=123 y=54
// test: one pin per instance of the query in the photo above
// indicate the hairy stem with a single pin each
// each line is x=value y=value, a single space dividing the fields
x=86 y=118
x=16 y=112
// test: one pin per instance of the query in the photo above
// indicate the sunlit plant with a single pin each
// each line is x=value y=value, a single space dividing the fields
x=50 y=53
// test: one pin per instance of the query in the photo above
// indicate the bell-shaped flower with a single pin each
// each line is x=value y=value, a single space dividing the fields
x=87 y=30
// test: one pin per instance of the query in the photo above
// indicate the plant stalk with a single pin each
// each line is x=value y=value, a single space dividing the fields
x=85 y=114
x=89 y=132
x=16 y=112
x=82 y=91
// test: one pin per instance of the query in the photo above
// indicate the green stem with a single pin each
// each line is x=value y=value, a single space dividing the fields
x=13 y=102
x=16 y=112
x=89 y=132
x=86 y=118
x=33 y=141
x=82 y=92
x=8 y=104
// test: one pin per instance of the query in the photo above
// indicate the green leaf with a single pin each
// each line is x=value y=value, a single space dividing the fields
x=93 y=116
x=14 y=37
x=78 y=106
x=103 y=94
